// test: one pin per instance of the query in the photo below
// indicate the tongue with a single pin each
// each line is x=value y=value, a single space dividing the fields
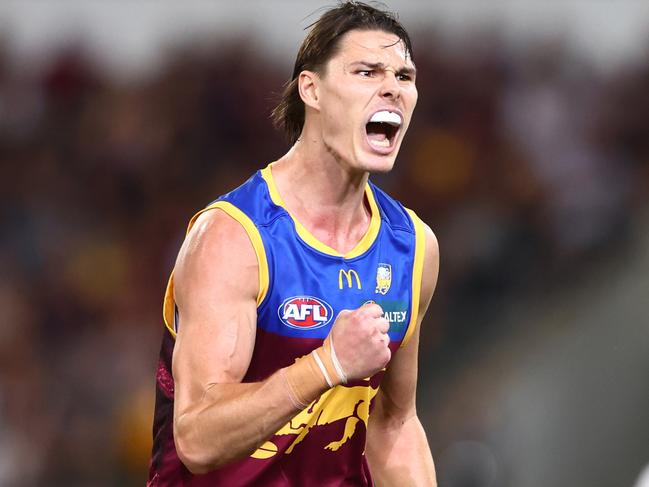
x=376 y=136
x=378 y=133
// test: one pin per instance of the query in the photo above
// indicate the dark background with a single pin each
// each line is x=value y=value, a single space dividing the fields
x=528 y=156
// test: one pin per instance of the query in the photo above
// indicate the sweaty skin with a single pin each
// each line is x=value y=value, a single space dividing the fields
x=218 y=419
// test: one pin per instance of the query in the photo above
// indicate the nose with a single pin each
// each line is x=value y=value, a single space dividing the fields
x=390 y=87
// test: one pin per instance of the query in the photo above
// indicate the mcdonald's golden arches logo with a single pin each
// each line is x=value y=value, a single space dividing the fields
x=348 y=274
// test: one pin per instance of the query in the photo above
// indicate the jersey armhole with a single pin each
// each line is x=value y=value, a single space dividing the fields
x=169 y=305
x=417 y=273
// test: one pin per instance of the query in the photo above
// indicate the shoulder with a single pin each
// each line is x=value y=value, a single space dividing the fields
x=431 y=259
x=214 y=227
x=392 y=211
x=217 y=249
x=432 y=245
x=426 y=258
x=398 y=215
x=251 y=201
x=426 y=244
x=430 y=264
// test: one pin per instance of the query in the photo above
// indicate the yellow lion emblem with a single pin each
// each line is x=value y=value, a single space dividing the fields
x=351 y=404
x=383 y=278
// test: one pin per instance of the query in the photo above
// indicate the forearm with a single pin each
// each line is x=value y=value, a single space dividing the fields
x=398 y=453
x=234 y=419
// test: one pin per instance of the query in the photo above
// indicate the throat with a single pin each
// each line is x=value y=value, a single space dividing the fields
x=338 y=229
x=341 y=236
x=325 y=217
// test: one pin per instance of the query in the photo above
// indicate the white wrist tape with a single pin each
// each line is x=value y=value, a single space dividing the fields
x=323 y=369
x=336 y=362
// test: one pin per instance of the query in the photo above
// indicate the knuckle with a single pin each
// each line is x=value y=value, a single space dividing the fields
x=343 y=312
x=358 y=318
x=343 y=315
x=381 y=326
x=372 y=309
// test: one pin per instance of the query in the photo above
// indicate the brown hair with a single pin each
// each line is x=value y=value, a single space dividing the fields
x=320 y=45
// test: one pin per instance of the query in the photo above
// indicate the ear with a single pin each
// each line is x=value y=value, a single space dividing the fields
x=308 y=87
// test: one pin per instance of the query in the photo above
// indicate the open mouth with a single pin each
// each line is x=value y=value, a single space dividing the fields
x=382 y=129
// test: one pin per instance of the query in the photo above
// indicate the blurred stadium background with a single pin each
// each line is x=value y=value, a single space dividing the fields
x=528 y=155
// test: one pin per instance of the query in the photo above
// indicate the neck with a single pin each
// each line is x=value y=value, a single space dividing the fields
x=323 y=193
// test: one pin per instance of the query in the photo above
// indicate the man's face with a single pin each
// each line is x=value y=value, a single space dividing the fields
x=366 y=99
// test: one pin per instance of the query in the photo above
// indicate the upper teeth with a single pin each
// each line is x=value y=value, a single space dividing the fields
x=387 y=117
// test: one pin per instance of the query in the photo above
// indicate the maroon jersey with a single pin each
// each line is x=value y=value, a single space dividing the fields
x=303 y=285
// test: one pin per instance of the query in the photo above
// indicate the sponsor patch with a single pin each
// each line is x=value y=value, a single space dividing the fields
x=348 y=274
x=394 y=310
x=305 y=312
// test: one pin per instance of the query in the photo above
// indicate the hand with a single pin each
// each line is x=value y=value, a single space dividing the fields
x=361 y=341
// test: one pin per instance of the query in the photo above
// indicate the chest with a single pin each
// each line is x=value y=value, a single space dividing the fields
x=308 y=289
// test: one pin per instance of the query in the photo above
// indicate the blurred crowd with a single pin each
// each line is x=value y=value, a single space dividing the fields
x=529 y=164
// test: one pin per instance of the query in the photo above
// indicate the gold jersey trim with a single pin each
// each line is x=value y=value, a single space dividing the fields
x=417 y=273
x=169 y=308
x=361 y=247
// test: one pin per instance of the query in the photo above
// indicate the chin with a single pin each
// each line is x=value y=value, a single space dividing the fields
x=381 y=166
x=372 y=162
x=362 y=158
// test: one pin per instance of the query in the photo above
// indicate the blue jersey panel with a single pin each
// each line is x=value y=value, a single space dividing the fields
x=308 y=288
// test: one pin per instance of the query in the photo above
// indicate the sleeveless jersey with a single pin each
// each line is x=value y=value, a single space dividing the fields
x=303 y=285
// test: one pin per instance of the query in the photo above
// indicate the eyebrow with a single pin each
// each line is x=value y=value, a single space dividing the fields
x=380 y=66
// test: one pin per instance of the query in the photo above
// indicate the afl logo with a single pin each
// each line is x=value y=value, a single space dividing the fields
x=305 y=312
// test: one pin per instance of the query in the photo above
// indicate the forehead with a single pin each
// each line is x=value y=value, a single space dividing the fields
x=372 y=46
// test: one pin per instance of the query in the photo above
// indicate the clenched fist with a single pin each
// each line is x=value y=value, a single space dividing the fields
x=361 y=340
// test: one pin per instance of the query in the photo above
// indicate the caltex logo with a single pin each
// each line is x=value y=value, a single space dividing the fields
x=305 y=312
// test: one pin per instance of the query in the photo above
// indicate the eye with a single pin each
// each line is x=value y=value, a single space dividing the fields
x=404 y=77
x=365 y=73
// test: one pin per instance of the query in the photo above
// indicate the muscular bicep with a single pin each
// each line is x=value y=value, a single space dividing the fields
x=398 y=388
x=215 y=289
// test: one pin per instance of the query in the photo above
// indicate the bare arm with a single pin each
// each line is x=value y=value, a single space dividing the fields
x=397 y=448
x=217 y=419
